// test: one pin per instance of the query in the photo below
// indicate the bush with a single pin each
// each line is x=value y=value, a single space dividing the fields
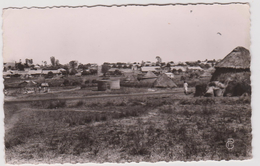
x=79 y=103
x=66 y=82
x=73 y=72
x=49 y=104
x=49 y=75
x=57 y=104
x=84 y=72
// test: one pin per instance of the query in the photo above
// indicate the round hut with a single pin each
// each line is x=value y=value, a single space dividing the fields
x=235 y=67
x=148 y=79
x=163 y=81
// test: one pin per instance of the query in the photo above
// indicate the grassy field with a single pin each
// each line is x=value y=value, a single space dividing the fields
x=129 y=129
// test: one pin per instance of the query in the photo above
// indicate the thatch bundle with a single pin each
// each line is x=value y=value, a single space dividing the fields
x=163 y=81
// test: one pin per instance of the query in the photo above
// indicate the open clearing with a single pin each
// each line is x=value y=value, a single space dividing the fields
x=162 y=127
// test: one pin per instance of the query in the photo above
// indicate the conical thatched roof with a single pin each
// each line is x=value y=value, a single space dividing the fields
x=28 y=84
x=163 y=81
x=131 y=78
x=239 y=58
x=149 y=74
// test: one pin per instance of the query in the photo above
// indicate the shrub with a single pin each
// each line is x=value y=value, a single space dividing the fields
x=57 y=104
x=49 y=75
x=83 y=86
x=79 y=103
x=84 y=72
x=109 y=103
x=66 y=82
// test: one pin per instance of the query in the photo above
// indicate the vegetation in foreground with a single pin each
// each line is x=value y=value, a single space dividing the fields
x=163 y=128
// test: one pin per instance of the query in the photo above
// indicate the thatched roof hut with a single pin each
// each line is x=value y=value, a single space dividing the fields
x=239 y=58
x=163 y=81
x=27 y=84
x=131 y=78
x=149 y=75
x=235 y=66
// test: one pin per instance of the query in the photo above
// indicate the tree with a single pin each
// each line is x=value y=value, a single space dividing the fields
x=73 y=71
x=73 y=64
x=142 y=63
x=20 y=66
x=179 y=70
x=174 y=70
x=29 y=62
x=84 y=72
x=50 y=74
x=105 y=69
x=168 y=65
x=159 y=60
x=52 y=58
x=207 y=66
x=118 y=72
x=57 y=62
x=93 y=71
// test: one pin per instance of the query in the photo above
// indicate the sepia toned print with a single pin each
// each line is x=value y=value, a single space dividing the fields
x=127 y=83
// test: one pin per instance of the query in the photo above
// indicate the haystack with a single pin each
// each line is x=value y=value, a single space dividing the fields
x=163 y=81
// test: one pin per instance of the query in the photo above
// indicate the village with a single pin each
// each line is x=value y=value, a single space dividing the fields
x=29 y=76
x=26 y=78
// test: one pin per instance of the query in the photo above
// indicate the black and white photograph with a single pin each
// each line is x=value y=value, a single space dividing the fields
x=127 y=83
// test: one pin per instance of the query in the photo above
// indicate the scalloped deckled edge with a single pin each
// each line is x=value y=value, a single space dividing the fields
x=125 y=5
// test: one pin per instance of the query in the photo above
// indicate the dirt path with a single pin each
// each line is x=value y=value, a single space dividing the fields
x=9 y=100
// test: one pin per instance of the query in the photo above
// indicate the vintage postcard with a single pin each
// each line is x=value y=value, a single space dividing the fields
x=127 y=83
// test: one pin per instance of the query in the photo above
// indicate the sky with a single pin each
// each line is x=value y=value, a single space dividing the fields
x=125 y=34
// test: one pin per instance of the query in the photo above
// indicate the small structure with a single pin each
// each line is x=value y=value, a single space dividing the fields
x=179 y=68
x=150 y=68
x=114 y=84
x=195 y=68
x=103 y=85
x=170 y=75
x=163 y=81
